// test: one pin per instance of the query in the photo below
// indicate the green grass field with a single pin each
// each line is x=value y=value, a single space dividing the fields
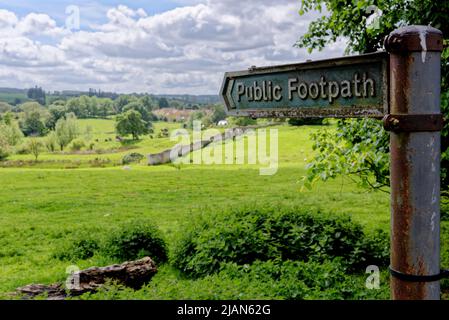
x=103 y=135
x=43 y=208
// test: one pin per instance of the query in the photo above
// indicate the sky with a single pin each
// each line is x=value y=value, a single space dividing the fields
x=154 y=46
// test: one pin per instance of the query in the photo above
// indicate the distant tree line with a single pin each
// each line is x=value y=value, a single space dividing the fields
x=36 y=94
x=50 y=121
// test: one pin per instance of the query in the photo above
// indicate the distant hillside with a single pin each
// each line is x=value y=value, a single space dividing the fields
x=16 y=96
x=187 y=98
x=13 y=90
x=13 y=96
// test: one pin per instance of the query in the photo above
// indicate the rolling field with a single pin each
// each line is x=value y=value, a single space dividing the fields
x=43 y=209
x=103 y=136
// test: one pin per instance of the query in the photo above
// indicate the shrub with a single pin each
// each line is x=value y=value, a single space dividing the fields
x=302 y=280
x=135 y=240
x=84 y=247
x=35 y=147
x=91 y=145
x=261 y=280
x=242 y=121
x=444 y=204
x=22 y=149
x=11 y=132
x=51 y=141
x=132 y=157
x=5 y=149
x=77 y=144
x=246 y=235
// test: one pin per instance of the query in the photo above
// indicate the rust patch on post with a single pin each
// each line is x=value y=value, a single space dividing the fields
x=405 y=39
x=399 y=83
x=401 y=213
x=407 y=147
x=413 y=122
x=402 y=222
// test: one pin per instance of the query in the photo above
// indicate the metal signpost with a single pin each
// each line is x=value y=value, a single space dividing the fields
x=402 y=86
x=343 y=87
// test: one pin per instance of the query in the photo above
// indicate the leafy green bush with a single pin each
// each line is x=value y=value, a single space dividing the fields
x=51 y=142
x=22 y=149
x=260 y=280
x=246 y=235
x=303 y=280
x=135 y=240
x=5 y=149
x=84 y=247
x=242 y=121
x=444 y=204
x=91 y=145
x=357 y=148
x=132 y=157
x=77 y=144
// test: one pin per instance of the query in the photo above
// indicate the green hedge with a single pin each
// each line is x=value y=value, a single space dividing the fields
x=246 y=235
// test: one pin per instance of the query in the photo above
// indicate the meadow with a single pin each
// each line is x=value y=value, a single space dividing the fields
x=44 y=206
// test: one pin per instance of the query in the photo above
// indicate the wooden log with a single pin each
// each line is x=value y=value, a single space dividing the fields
x=132 y=274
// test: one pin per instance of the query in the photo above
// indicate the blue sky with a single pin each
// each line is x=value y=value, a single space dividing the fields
x=91 y=11
x=174 y=46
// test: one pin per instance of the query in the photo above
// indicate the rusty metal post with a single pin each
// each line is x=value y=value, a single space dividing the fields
x=415 y=54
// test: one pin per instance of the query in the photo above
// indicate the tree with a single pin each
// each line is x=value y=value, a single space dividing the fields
x=139 y=107
x=31 y=106
x=66 y=130
x=10 y=135
x=131 y=122
x=5 y=107
x=56 y=112
x=122 y=101
x=51 y=141
x=349 y=19
x=37 y=94
x=92 y=106
x=242 y=121
x=163 y=103
x=219 y=113
x=7 y=118
x=147 y=102
x=33 y=125
x=105 y=107
x=11 y=132
x=5 y=149
x=35 y=147
x=195 y=116
x=74 y=107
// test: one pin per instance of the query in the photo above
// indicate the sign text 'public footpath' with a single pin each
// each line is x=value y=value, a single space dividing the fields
x=342 y=87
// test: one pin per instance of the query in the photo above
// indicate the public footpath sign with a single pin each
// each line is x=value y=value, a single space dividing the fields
x=342 y=87
x=400 y=85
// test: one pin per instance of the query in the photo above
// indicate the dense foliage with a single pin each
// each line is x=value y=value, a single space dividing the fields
x=131 y=122
x=246 y=235
x=66 y=130
x=356 y=148
x=261 y=280
x=365 y=24
x=128 y=241
x=134 y=240
x=80 y=248
x=132 y=158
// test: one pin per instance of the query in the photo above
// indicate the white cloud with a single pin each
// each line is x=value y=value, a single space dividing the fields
x=38 y=24
x=8 y=20
x=184 y=50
